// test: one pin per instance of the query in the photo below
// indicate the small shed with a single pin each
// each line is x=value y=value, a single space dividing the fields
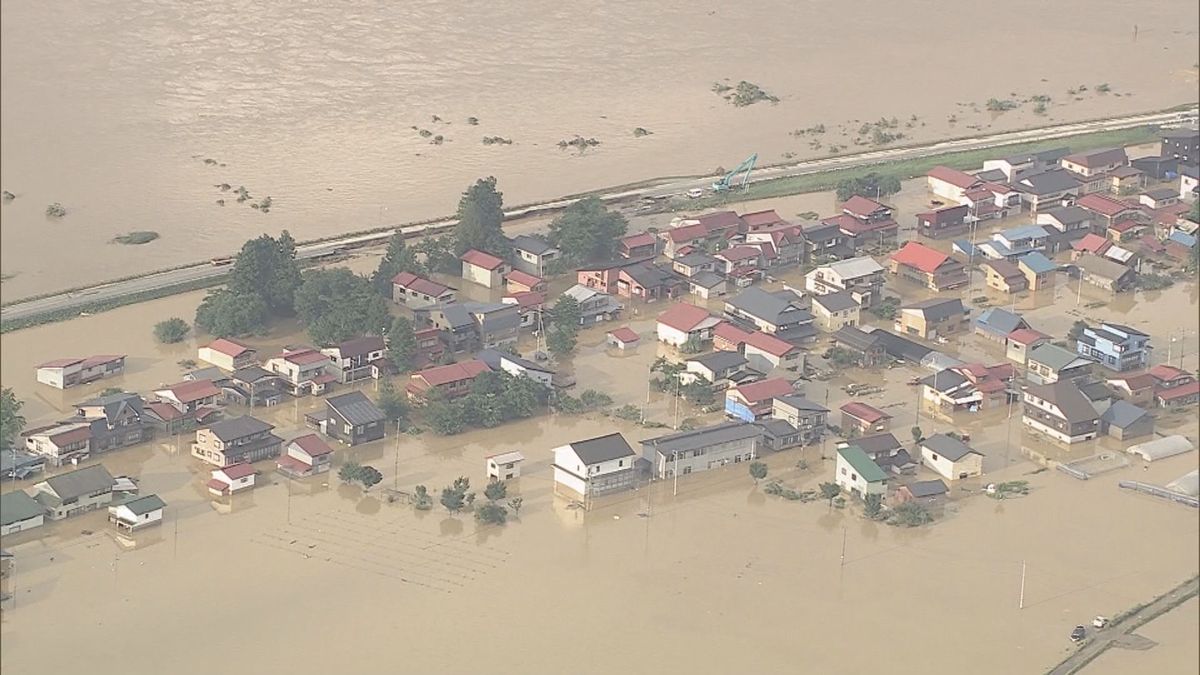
x=866 y=419
x=230 y=479
x=622 y=338
x=1123 y=421
x=925 y=492
x=137 y=513
x=505 y=466
x=1161 y=448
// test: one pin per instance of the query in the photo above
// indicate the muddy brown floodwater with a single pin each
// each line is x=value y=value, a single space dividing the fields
x=719 y=578
x=132 y=115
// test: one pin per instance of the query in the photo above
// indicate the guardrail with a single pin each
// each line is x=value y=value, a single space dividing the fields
x=1157 y=491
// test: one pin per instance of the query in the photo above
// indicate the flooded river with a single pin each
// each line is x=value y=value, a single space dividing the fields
x=132 y=114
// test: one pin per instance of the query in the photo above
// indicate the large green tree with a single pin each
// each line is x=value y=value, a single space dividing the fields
x=11 y=420
x=588 y=231
x=480 y=218
x=336 y=305
x=439 y=255
x=872 y=186
x=399 y=258
x=402 y=343
x=268 y=268
x=562 y=330
x=225 y=313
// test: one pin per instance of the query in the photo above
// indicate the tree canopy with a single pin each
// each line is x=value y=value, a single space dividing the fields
x=402 y=343
x=439 y=255
x=336 y=305
x=495 y=398
x=171 y=330
x=399 y=258
x=563 y=329
x=872 y=185
x=480 y=218
x=11 y=420
x=267 y=267
x=225 y=313
x=588 y=231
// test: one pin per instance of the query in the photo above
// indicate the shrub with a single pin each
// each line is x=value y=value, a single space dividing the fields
x=171 y=331
x=136 y=238
x=56 y=210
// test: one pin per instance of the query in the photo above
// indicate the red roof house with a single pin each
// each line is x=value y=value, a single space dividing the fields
x=517 y=281
x=483 y=268
x=728 y=337
x=623 y=338
x=683 y=322
x=453 y=380
x=756 y=397
x=761 y=220
x=928 y=267
x=637 y=245
x=865 y=418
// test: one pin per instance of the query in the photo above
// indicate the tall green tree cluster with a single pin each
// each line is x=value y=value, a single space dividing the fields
x=562 y=325
x=495 y=398
x=587 y=231
x=399 y=258
x=11 y=420
x=872 y=186
x=263 y=283
x=480 y=220
x=337 y=304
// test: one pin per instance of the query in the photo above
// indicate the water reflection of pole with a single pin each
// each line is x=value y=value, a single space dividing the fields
x=1008 y=431
x=843 y=561
x=396 y=467
x=288 y=481
x=1021 y=602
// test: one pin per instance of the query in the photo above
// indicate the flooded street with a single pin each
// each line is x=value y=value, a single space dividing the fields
x=133 y=115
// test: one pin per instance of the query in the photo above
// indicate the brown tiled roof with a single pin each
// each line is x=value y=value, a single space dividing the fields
x=229 y=347
x=683 y=317
x=189 y=392
x=920 y=257
x=867 y=413
x=523 y=278
x=439 y=375
x=480 y=259
x=313 y=445
x=420 y=284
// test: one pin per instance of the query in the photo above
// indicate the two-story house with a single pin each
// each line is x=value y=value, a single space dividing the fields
x=305 y=455
x=710 y=447
x=237 y=439
x=1039 y=271
x=1015 y=242
x=70 y=372
x=682 y=323
x=594 y=467
x=503 y=362
x=862 y=276
x=810 y=419
x=834 y=310
x=483 y=268
x=414 y=291
x=933 y=318
x=469 y=326
x=869 y=349
x=647 y=281
x=1103 y=211
x=529 y=306
x=754 y=401
x=533 y=255
x=1095 y=162
x=1064 y=224
x=765 y=352
x=867 y=223
x=1049 y=363
x=1115 y=346
x=228 y=354
x=61 y=443
x=594 y=305
x=720 y=369
x=857 y=475
x=451 y=381
x=947 y=221
x=927 y=267
x=1048 y=188
x=1060 y=411
x=115 y=420
x=950 y=457
x=694 y=263
x=303 y=370
x=823 y=243
x=352 y=418
x=188 y=397
x=640 y=245
x=741 y=264
x=356 y=359
x=779 y=313
x=75 y=492
x=786 y=243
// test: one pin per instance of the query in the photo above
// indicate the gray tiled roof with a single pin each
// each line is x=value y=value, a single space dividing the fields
x=947 y=446
x=1121 y=414
x=239 y=427
x=720 y=361
x=355 y=408
x=113 y=403
x=602 y=448
x=81 y=482
x=927 y=488
x=800 y=403
x=877 y=443
x=937 y=309
x=778 y=308
x=1067 y=398
x=145 y=504
x=707 y=279
x=1069 y=215
x=856 y=337
x=725 y=432
x=16 y=506
x=836 y=302
x=1053 y=356
x=1049 y=182
x=944 y=380
x=534 y=245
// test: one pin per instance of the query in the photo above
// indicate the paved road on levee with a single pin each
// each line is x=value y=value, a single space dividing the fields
x=157 y=280
x=1102 y=639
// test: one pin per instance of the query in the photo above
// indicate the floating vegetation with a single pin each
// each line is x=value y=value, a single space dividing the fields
x=210 y=161
x=1103 y=88
x=435 y=119
x=223 y=187
x=56 y=210
x=777 y=489
x=1000 y=105
x=265 y=204
x=579 y=142
x=641 y=131
x=437 y=140
x=220 y=202
x=814 y=129
x=424 y=133
x=496 y=140
x=1012 y=488
x=8 y=196
x=720 y=87
x=136 y=238
x=473 y=121
x=242 y=194
x=880 y=132
x=745 y=93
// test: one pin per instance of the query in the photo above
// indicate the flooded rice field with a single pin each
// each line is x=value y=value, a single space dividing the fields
x=143 y=116
x=311 y=571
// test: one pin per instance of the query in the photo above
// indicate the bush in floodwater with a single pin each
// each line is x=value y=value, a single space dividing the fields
x=1000 y=105
x=496 y=140
x=473 y=121
x=136 y=238
x=910 y=514
x=171 y=331
x=641 y=131
x=579 y=142
x=628 y=412
x=758 y=471
x=8 y=196
x=56 y=210
x=424 y=133
x=491 y=514
x=746 y=93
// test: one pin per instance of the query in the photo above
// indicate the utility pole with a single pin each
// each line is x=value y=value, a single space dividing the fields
x=843 y=560
x=1021 y=602
x=675 y=472
x=396 y=462
x=1079 y=293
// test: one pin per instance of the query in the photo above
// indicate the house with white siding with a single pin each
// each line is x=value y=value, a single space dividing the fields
x=683 y=322
x=856 y=474
x=228 y=354
x=702 y=449
x=138 y=513
x=594 y=467
x=19 y=512
x=484 y=269
x=950 y=457
x=75 y=492
x=70 y=372
x=304 y=456
x=230 y=479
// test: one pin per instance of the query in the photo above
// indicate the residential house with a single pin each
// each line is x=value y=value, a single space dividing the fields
x=352 y=418
x=950 y=457
x=70 y=372
x=138 y=513
x=688 y=235
x=1060 y=411
x=1181 y=144
x=1159 y=198
x=211 y=373
x=1065 y=224
x=231 y=479
x=1107 y=274
x=1038 y=270
x=874 y=224
x=928 y=493
x=883 y=449
x=483 y=268
x=504 y=466
x=357 y=359
x=1123 y=420
x=1189 y=182
x=1015 y=166
x=707 y=285
x=164 y=418
x=902 y=348
x=1115 y=346
x=780 y=246
x=1050 y=363
x=1048 y=188
x=702 y=449
x=305 y=455
x=1090 y=244
x=1021 y=341
x=228 y=354
x=856 y=474
x=742 y=264
x=623 y=338
x=1165 y=376
x=648 y=282
x=729 y=337
x=682 y=323
x=595 y=467
x=415 y=291
x=604 y=276
x=933 y=318
x=638 y=246
x=238 y=439
x=994 y=383
x=75 y=492
x=1181 y=245
x=115 y=421
x=19 y=512
x=451 y=381
x=720 y=369
x=1095 y=162
x=1106 y=210
x=252 y=386
x=1015 y=242
x=766 y=352
x=927 y=267
x=951 y=184
x=303 y=370
x=809 y=419
x=529 y=306
x=1135 y=389
x=863 y=277
x=1004 y=276
x=1156 y=168
x=1185 y=395
x=996 y=324
x=1126 y=180
x=779 y=313
x=503 y=362
x=518 y=281
x=834 y=310
x=1130 y=228
x=824 y=243
x=60 y=443
x=863 y=419
x=430 y=348
x=952 y=390
x=470 y=326
x=947 y=221
x=533 y=255
x=189 y=397
x=754 y=401
x=694 y=263
x=868 y=349
x=594 y=306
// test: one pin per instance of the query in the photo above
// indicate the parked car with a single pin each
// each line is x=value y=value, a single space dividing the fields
x=695 y=193
x=1100 y=622
x=1078 y=634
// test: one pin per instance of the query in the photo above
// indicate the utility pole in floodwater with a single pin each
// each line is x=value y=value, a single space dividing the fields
x=1021 y=602
x=843 y=561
